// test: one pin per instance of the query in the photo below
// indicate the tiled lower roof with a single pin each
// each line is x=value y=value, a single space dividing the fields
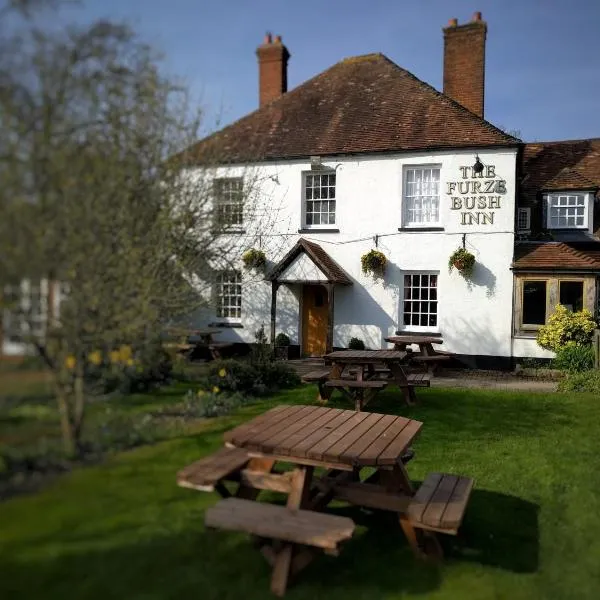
x=557 y=255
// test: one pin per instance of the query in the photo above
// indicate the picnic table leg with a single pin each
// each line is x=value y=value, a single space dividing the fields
x=399 y=378
x=424 y=544
x=324 y=391
x=299 y=497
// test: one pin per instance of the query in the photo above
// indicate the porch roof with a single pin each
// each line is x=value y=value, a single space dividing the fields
x=331 y=270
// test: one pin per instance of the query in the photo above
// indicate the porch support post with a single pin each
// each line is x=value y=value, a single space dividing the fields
x=274 y=286
x=330 y=302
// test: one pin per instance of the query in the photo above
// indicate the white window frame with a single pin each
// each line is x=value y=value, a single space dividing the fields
x=39 y=320
x=305 y=200
x=223 y=311
x=425 y=328
x=587 y=209
x=220 y=202
x=526 y=212
x=406 y=219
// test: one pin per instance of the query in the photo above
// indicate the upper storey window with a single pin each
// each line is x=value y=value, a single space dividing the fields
x=421 y=196
x=319 y=199
x=568 y=210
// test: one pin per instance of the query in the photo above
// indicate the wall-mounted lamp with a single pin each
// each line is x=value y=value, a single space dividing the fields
x=315 y=163
x=478 y=166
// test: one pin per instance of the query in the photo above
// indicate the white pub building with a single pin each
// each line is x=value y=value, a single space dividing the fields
x=366 y=156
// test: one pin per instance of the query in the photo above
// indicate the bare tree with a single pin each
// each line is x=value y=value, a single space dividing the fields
x=90 y=198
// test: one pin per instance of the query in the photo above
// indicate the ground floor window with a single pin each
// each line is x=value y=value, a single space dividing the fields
x=536 y=298
x=420 y=300
x=228 y=292
x=25 y=311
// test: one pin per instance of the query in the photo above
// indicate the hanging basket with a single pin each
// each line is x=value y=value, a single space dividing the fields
x=254 y=259
x=463 y=261
x=373 y=263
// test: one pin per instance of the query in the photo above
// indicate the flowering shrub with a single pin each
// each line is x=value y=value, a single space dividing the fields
x=565 y=326
x=373 y=262
x=463 y=261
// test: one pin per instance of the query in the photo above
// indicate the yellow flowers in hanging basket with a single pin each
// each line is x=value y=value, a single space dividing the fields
x=463 y=261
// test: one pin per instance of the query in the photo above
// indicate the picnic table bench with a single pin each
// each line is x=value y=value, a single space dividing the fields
x=343 y=443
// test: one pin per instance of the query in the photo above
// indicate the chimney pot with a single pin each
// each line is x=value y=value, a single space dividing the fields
x=268 y=39
x=452 y=22
x=476 y=16
x=278 y=39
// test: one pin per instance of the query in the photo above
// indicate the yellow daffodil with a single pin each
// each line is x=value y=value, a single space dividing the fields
x=125 y=353
x=215 y=390
x=129 y=362
x=200 y=393
x=222 y=373
x=70 y=362
x=114 y=357
x=95 y=357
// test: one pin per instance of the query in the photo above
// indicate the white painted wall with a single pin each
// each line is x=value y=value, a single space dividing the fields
x=475 y=317
x=528 y=347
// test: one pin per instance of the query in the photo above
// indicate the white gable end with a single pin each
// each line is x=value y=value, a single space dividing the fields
x=302 y=269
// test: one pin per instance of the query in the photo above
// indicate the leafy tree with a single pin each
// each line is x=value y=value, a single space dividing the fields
x=91 y=198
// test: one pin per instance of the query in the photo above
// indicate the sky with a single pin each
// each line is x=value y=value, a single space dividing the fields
x=542 y=56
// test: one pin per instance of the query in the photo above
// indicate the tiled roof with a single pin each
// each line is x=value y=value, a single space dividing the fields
x=566 y=165
x=557 y=255
x=361 y=104
x=331 y=269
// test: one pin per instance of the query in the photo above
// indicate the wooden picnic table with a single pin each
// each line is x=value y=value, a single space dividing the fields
x=427 y=354
x=343 y=443
x=360 y=374
x=204 y=340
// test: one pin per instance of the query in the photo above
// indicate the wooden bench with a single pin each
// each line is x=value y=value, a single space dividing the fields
x=316 y=375
x=271 y=521
x=206 y=474
x=355 y=390
x=440 y=503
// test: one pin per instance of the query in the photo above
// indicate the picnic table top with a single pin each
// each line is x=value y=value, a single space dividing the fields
x=352 y=356
x=321 y=436
x=414 y=339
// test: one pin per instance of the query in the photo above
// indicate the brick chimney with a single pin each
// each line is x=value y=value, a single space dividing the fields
x=464 y=62
x=272 y=69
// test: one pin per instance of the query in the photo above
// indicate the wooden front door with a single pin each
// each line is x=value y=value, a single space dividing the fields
x=315 y=313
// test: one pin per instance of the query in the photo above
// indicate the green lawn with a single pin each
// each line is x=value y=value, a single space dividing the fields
x=124 y=530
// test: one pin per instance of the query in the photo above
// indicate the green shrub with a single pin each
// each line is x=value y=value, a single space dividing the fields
x=210 y=404
x=565 y=326
x=574 y=358
x=282 y=340
x=356 y=344
x=586 y=381
x=251 y=379
x=279 y=376
x=114 y=429
x=231 y=375
x=41 y=457
x=261 y=353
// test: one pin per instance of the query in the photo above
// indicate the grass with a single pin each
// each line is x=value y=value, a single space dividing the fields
x=123 y=529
